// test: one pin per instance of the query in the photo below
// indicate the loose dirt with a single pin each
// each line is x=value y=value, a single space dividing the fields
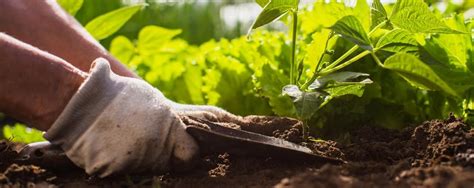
x=437 y=153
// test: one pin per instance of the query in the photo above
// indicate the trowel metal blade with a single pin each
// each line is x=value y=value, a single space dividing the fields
x=220 y=139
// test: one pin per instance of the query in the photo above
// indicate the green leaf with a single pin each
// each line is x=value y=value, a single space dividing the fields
x=317 y=47
x=271 y=81
x=416 y=17
x=340 y=78
x=397 y=40
x=377 y=13
x=21 y=133
x=193 y=84
x=71 y=6
x=451 y=50
x=338 y=91
x=122 y=49
x=262 y=3
x=151 y=39
x=323 y=15
x=109 y=23
x=306 y=103
x=459 y=80
x=273 y=10
x=442 y=54
x=350 y=28
x=417 y=73
x=362 y=12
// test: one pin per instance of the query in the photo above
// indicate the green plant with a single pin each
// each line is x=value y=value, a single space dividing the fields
x=101 y=28
x=341 y=66
x=400 y=37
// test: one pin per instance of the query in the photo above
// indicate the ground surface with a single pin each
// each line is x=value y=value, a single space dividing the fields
x=438 y=153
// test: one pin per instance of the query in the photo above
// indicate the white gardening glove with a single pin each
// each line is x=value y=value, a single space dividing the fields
x=210 y=113
x=115 y=125
x=265 y=125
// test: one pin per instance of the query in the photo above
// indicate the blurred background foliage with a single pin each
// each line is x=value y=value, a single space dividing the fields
x=194 y=52
x=200 y=21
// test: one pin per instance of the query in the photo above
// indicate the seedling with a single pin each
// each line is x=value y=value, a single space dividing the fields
x=408 y=18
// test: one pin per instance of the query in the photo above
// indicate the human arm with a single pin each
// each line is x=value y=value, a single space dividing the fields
x=106 y=123
x=35 y=86
x=45 y=25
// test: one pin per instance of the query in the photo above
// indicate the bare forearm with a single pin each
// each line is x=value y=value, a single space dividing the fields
x=45 y=25
x=35 y=86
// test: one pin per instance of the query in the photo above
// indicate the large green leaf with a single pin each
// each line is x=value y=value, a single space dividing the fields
x=306 y=103
x=262 y=3
x=415 y=16
x=350 y=28
x=377 y=13
x=317 y=47
x=362 y=12
x=338 y=91
x=459 y=80
x=71 y=6
x=458 y=45
x=323 y=15
x=109 y=23
x=397 y=40
x=444 y=54
x=340 y=78
x=417 y=73
x=273 y=10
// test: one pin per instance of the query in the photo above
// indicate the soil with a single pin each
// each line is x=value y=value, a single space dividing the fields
x=437 y=153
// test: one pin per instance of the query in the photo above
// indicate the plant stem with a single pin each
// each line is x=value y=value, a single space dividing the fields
x=332 y=67
x=293 y=47
x=344 y=56
x=345 y=64
x=377 y=60
x=316 y=68
x=353 y=49
x=377 y=27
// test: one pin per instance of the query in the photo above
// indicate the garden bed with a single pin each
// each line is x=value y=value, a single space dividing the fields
x=437 y=153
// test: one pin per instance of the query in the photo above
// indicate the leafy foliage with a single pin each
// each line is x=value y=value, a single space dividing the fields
x=415 y=16
x=351 y=29
x=378 y=14
x=274 y=9
x=305 y=102
x=417 y=73
x=109 y=23
x=252 y=76
x=71 y=6
x=20 y=133
x=380 y=64
x=397 y=40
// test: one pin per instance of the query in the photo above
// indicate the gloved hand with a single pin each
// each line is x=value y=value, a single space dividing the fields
x=116 y=125
x=210 y=113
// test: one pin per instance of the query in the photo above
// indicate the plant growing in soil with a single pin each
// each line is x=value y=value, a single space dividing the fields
x=341 y=65
x=397 y=37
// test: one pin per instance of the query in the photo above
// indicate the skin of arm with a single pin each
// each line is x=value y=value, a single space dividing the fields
x=35 y=86
x=45 y=25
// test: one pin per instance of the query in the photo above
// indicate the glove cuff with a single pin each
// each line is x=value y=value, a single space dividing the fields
x=92 y=97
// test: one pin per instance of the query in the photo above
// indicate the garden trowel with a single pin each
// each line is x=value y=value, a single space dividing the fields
x=214 y=138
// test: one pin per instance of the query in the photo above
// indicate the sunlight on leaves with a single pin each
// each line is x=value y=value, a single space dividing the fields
x=350 y=28
x=109 y=23
x=71 y=6
x=21 y=133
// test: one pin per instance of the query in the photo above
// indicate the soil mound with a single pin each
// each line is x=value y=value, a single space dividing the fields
x=437 y=153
